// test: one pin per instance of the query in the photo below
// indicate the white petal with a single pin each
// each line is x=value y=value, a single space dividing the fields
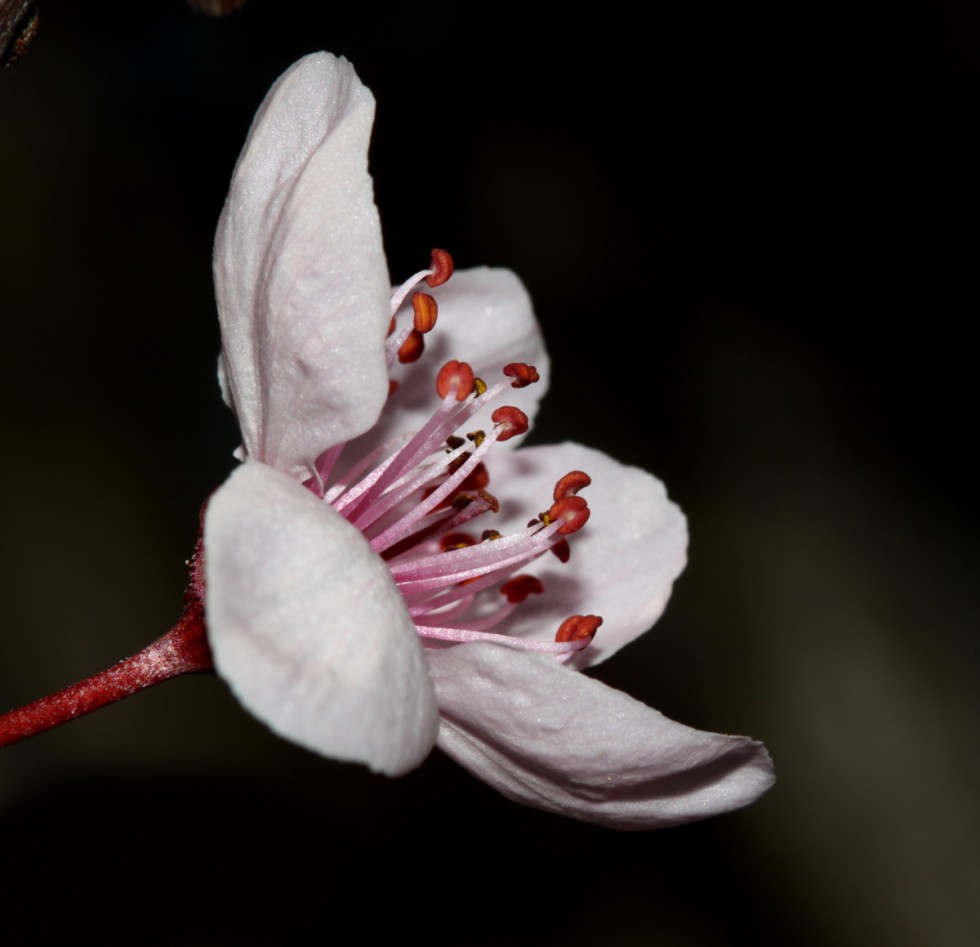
x=308 y=628
x=300 y=272
x=623 y=562
x=550 y=737
x=486 y=319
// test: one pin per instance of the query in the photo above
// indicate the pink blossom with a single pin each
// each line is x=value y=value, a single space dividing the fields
x=337 y=610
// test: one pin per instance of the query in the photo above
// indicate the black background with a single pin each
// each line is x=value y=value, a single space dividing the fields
x=751 y=238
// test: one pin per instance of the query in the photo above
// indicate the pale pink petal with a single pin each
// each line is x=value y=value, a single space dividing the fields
x=550 y=737
x=486 y=319
x=623 y=562
x=307 y=627
x=300 y=272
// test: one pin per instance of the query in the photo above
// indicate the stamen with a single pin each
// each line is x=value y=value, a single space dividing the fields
x=456 y=377
x=512 y=422
x=571 y=483
x=517 y=589
x=442 y=268
x=572 y=512
x=578 y=628
x=412 y=348
x=522 y=374
x=426 y=312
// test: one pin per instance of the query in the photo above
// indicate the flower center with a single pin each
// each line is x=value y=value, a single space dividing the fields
x=415 y=497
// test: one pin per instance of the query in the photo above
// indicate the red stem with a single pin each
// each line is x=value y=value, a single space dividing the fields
x=182 y=650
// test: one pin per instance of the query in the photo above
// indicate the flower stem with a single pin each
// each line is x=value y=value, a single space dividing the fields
x=182 y=650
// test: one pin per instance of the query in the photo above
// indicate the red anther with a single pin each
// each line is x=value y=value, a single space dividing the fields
x=572 y=511
x=426 y=311
x=578 y=627
x=571 y=483
x=412 y=348
x=512 y=421
x=392 y=386
x=455 y=377
x=478 y=478
x=442 y=268
x=455 y=541
x=522 y=374
x=520 y=587
x=562 y=550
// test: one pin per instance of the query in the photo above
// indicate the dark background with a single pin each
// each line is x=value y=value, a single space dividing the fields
x=751 y=239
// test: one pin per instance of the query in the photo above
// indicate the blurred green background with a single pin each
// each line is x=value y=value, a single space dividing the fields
x=752 y=243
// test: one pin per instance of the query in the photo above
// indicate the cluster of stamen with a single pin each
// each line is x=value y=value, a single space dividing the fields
x=415 y=496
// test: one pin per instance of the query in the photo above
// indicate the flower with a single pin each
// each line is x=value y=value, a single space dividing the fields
x=350 y=605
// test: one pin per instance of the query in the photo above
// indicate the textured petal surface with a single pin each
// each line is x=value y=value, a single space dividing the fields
x=300 y=273
x=623 y=562
x=308 y=628
x=486 y=319
x=552 y=738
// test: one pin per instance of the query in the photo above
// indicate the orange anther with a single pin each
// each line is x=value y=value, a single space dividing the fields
x=522 y=374
x=426 y=311
x=578 y=627
x=391 y=325
x=573 y=512
x=412 y=348
x=512 y=421
x=455 y=377
x=571 y=483
x=441 y=266
x=520 y=587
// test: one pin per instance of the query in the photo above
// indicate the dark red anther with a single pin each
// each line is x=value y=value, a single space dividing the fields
x=562 y=550
x=522 y=374
x=426 y=311
x=512 y=421
x=478 y=478
x=412 y=348
x=573 y=512
x=520 y=587
x=578 y=627
x=571 y=483
x=490 y=534
x=455 y=541
x=455 y=377
x=442 y=268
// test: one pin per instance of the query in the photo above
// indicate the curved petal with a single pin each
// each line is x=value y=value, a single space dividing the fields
x=308 y=628
x=486 y=319
x=300 y=272
x=623 y=562
x=552 y=738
